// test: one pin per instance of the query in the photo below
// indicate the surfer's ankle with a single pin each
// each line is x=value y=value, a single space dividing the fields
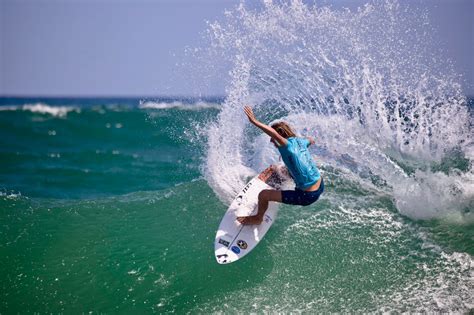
x=257 y=218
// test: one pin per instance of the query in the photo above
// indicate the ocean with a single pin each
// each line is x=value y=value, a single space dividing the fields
x=111 y=205
x=105 y=208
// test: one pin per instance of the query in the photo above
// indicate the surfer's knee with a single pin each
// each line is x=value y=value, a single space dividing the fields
x=263 y=195
x=269 y=195
x=266 y=195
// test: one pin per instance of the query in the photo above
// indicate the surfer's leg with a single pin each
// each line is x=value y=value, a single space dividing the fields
x=264 y=197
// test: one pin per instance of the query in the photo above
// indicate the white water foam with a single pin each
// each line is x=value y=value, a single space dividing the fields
x=10 y=195
x=444 y=280
x=41 y=108
x=359 y=82
x=178 y=105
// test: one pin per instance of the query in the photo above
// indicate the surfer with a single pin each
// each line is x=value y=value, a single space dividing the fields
x=300 y=165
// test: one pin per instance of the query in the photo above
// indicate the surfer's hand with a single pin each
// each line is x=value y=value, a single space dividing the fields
x=249 y=112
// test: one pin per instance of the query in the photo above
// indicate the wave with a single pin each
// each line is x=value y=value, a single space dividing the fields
x=10 y=195
x=382 y=114
x=62 y=111
x=397 y=267
x=41 y=108
x=178 y=105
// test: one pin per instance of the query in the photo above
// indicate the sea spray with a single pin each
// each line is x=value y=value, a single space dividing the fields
x=366 y=83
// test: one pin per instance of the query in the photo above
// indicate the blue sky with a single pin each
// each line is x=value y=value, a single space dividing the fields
x=131 y=47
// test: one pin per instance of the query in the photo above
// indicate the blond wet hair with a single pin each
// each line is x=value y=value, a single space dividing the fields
x=283 y=129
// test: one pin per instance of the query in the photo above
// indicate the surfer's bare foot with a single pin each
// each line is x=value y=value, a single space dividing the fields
x=250 y=220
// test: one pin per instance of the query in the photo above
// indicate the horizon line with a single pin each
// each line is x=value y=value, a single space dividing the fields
x=104 y=96
x=183 y=97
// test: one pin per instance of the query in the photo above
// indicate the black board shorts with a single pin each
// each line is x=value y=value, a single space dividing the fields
x=300 y=197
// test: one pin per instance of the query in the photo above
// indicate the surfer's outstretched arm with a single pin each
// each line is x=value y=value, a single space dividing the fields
x=265 y=128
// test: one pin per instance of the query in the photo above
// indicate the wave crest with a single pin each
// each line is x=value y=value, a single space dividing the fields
x=41 y=108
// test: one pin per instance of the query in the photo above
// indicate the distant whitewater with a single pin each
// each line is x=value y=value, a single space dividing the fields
x=58 y=111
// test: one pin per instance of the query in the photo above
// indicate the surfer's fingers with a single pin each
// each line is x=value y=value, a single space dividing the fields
x=248 y=111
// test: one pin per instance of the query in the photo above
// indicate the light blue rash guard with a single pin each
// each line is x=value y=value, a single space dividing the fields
x=299 y=162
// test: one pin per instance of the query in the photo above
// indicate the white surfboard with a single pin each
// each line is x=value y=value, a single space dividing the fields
x=234 y=240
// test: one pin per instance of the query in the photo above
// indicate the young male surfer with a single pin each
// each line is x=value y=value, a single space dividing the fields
x=300 y=164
